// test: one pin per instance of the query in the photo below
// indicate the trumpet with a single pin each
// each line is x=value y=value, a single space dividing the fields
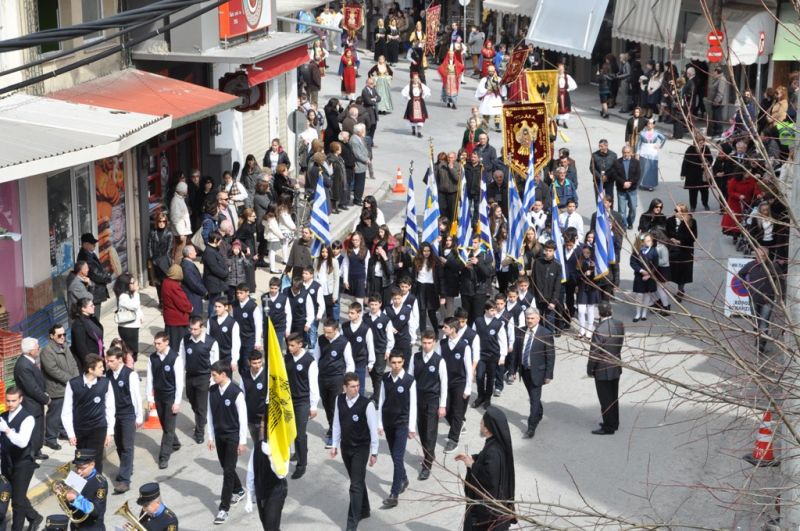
x=60 y=489
x=134 y=524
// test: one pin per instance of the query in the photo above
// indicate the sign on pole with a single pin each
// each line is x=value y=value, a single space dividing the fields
x=715 y=38
x=715 y=54
x=737 y=299
x=762 y=43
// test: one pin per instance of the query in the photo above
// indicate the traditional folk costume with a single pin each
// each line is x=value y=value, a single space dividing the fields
x=418 y=38
x=416 y=112
x=451 y=71
x=347 y=69
x=565 y=85
x=392 y=43
x=487 y=57
x=383 y=73
x=649 y=145
x=491 y=93
x=380 y=41
x=319 y=55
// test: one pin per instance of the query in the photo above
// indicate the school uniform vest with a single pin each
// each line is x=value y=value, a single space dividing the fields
x=379 y=337
x=358 y=266
x=297 y=373
x=275 y=310
x=245 y=316
x=122 y=392
x=490 y=344
x=223 y=411
x=89 y=403
x=163 y=375
x=255 y=395
x=397 y=399
x=454 y=361
x=526 y=301
x=429 y=388
x=410 y=300
x=469 y=336
x=223 y=333
x=353 y=422
x=313 y=292
x=358 y=343
x=12 y=454
x=514 y=314
x=331 y=357
x=402 y=339
x=297 y=303
x=198 y=355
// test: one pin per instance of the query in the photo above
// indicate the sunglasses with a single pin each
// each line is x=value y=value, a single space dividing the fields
x=59 y=336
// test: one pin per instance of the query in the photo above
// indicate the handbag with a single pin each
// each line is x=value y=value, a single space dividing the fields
x=124 y=316
x=197 y=240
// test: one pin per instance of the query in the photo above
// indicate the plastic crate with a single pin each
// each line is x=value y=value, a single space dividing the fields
x=7 y=368
x=10 y=343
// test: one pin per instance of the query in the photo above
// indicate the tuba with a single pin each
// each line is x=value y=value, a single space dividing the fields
x=134 y=523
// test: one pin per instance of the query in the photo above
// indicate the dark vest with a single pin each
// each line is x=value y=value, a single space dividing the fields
x=122 y=392
x=246 y=318
x=402 y=339
x=358 y=343
x=379 y=337
x=223 y=411
x=89 y=403
x=223 y=333
x=490 y=344
x=163 y=375
x=255 y=395
x=397 y=399
x=313 y=292
x=297 y=303
x=198 y=355
x=11 y=453
x=353 y=422
x=297 y=372
x=427 y=377
x=454 y=361
x=526 y=301
x=275 y=310
x=514 y=314
x=331 y=357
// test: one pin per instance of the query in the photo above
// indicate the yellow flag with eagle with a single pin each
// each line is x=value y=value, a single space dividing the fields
x=280 y=423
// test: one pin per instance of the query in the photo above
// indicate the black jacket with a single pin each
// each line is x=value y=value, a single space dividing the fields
x=447 y=178
x=498 y=192
x=692 y=168
x=387 y=267
x=86 y=330
x=347 y=156
x=30 y=380
x=215 y=271
x=546 y=281
x=618 y=174
x=97 y=274
x=605 y=350
x=283 y=158
x=601 y=163
x=542 y=355
x=473 y=177
x=193 y=286
x=488 y=156
x=477 y=279
x=159 y=250
x=449 y=274
x=371 y=99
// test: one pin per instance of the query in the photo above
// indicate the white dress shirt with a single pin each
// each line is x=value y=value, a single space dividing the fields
x=475 y=347
x=572 y=220
x=426 y=357
x=213 y=354
x=511 y=330
x=451 y=343
x=22 y=437
x=413 y=322
x=412 y=403
x=313 y=380
x=179 y=378
x=67 y=414
x=236 y=343
x=287 y=310
x=241 y=412
x=136 y=393
x=320 y=301
x=372 y=422
x=414 y=314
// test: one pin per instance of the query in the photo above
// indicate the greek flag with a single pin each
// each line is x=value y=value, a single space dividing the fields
x=412 y=236
x=518 y=221
x=484 y=229
x=464 y=223
x=319 y=222
x=430 y=217
x=557 y=237
x=601 y=241
x=529 y=197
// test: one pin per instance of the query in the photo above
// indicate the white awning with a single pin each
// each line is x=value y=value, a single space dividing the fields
x=556 y=25
x=743 y=28
x=41 y=135
x=286 y=7
x=513 y=7
x=650 y=22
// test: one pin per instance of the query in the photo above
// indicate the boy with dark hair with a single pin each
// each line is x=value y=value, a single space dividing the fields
x=275 y=306
x=397 y=419
x=303 y=375
x=128 y=412
x=312 y=287
x=379 y=324
x=457 y=356
x=430 y=376
x=224 y=328
x=198 y=351
x=334 y=358
x=359 y=334
x=494 y=348
x=301 y=307
x=254 y=387
x=404 y=327
x=251 y=325
x=165 y=381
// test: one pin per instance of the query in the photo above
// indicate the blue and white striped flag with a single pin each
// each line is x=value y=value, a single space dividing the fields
x=412 y=236
x=557 y=237
x=601 y=241
x=518 y=221
x=529 y=197
x=484 y=229
x=319 y=223
x=464 y=224
x=430 y=217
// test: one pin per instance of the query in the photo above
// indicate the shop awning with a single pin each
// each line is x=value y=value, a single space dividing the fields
x=513 y=7
x=556 y=25
x=275 y=66
x=41 y=135
x=286 y=7
x=650 y=22
x=743 y=28
x=787 y=38
x=143 y=92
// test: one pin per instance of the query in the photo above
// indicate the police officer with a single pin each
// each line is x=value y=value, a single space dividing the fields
x=250 y=321
x=164 y=390
x=303 y=374
x=56 y=522
x=155 y=516
x=91 y=501
x=254 y=387
x=128 y=406
x=198 y=351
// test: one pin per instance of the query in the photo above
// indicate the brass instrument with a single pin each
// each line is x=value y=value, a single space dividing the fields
x=134 y=523
x=60 y=489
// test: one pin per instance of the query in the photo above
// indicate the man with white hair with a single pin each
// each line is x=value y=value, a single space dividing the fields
x=180 y=218
x=358 y=145
x=30 y=380
x=536 y=365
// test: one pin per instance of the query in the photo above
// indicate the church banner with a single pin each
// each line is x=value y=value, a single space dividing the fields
x=543 y=87
x=516 y=63
x=432 y=16
x=525 y=124
x=353 y=17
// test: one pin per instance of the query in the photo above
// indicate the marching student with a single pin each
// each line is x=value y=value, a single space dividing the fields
x=227 y=431
x=516 y=330
x=404 y=327
x=198 y=351
x=255 y=388
x=359 y=334
x=276 y=307
x=165 y=381
x=303 y=375
x=251 y=325
x=355 y=435
x=313 y=288
x=384 y=343
x=334 y=358
x=524 y=295
x=397 y=420
x=405 y=284
x=267 y=489
x=430 y=377
x=457 y=356
x=494 y=346
x=301 y=307
x=89 y=409
x=224 y=328
x=507 y=317
x=128 y=408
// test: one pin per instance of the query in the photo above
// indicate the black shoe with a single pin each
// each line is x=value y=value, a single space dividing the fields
x=176 y=448
x=529 y=434
x=450 y=446
x=53 y=445
x=199 y=439
x=424 y=474
x=403 y=486
x=643 y=319
x=390 y=502
x=121 y=488
x=35 y=523
x=477 y=403
x=635 y=319
x=565 y=126
x=299 y=472
x=679 y=296
x=343 y=208
x=486 y=403
x=601 y=431
x=40 y=457
x=419 y=134
x=163 y=464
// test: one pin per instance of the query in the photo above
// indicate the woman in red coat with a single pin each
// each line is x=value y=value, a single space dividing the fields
x=177 y=307
x=742 y=191
x=487 y=57
x=347 y=69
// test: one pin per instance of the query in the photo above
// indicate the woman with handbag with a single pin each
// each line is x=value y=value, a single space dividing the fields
x=129 y=312
x=159 y=247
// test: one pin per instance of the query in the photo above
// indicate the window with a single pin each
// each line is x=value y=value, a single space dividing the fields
x=92 y=10
x=48 y=19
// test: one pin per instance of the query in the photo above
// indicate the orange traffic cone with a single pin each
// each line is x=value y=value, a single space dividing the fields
x=762 y=453
x=399 y=188
x=152 y=422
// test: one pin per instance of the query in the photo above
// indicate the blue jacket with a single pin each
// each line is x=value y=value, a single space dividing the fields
x=565 y=193
x=193 y=286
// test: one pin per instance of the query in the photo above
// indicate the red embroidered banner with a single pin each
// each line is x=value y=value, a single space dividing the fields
x=353 y=17
x=432 y=16
x=516 y=64
x=524 y=124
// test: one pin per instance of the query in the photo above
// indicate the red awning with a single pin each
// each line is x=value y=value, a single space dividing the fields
x=139 y=91
x=275 y=66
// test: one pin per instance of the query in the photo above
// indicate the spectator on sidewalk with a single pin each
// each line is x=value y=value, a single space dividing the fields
x=58 y=367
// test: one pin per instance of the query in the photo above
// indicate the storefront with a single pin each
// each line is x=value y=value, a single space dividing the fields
x=786 y=55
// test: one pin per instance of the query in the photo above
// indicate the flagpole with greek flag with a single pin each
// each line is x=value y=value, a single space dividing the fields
x=601 y=241
x=319 y=222
x=411 y=234
x=529 y=194
x=518 y=221
x=484 y=229
x=464 y=225
x=430 y=216
x=557 y=236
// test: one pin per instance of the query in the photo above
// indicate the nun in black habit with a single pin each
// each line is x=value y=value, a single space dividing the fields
x=489 y=484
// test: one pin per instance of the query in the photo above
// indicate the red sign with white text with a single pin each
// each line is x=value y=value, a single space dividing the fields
x=240 y=17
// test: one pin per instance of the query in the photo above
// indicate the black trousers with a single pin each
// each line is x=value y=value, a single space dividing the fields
x=484 y=374
x=271 y=507
x=20 y=504
x=355 y=461
x=169 y=441
x=94 y=438
x=535 y=398
x=301 y=409
x=329 y=390
x=5 y=494
x=376 y=376
x=197 y=393
x=37 y=435
x=693 y=197
x=176 y=334
x=473 y=304
x=124 y=435
x=53 y=426
x=255 y=432
x=359 y=180
x=428 y=427
x=608 y=394
x=456 y=407
x=228 y=455
x=447 y=204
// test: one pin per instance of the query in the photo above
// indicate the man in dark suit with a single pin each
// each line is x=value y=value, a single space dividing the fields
x=537 y=362
x=604 y=357
x=370 y=97
x=30 y=380
x=97 y=273
x=626 y=174
x=486 y=153
x=215 y=271
x=192 y=282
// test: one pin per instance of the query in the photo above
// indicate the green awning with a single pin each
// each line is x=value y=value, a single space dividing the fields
x=787 y=38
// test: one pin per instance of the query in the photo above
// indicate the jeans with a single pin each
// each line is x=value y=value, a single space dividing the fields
x=53 y=424
x=124 y=434
x=397 y=437
x=627 y=201
x=228 y=455
x=311 y=335
x=362 y=380
x=763 y=313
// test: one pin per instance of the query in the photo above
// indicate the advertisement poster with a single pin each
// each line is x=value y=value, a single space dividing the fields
x=525 y=124
x=112 y=247
x=240 y=17
x=737 y=300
